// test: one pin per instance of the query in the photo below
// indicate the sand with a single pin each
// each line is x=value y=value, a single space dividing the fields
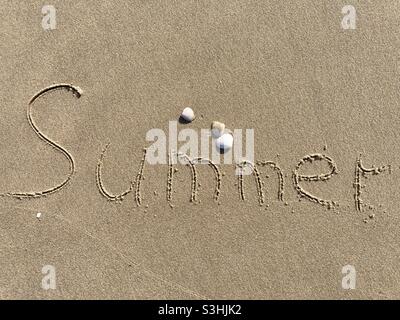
x=323 y=194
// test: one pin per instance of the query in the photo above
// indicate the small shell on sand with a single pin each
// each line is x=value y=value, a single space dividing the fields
x=38 y=215
x=187 y=114
x=225 y=142
x=217 y=129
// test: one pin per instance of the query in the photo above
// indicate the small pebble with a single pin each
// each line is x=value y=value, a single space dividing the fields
x=217 y=129
x=38 y=215
x=187 y=114
x=225 y=142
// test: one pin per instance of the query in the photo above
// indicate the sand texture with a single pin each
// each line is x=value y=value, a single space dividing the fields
x=77 y=102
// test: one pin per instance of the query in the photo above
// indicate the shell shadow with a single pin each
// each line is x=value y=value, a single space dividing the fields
x=183 y=121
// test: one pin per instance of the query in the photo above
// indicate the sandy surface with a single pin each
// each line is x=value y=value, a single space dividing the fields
x=289 y=71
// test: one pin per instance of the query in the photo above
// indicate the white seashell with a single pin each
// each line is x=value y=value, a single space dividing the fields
x=224 y=142
x=187 y=114
x=38 y=215
x=217 y=129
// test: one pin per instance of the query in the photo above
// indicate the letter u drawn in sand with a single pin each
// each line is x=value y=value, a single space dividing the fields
x=133 y=184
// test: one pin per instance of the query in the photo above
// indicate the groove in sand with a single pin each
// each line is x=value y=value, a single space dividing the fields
x=257 y=178
x=361 y=170
x=120 y=197
x=279 y=173
x=139 y=178
x=100 y=184
x=194 y=180
x=77 y=92
x=321 y=177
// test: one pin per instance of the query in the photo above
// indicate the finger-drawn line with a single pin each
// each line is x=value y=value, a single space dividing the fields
x=321 y=177
x=217 y=174
x=100 y=184
x=194 y=188
x=279 y=173
x=77 y=92
x=120 y=197
x=360 y=169
x=194 y=180
x=357 y=185
x=170 y=178
x=139 y=178
x=241 y=166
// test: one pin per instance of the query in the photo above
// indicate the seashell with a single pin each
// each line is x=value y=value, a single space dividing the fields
x=217 y=129
x=38 y=215
x=187 y=115
x=225 y=142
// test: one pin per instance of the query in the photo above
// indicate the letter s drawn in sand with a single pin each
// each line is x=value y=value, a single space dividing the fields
x=77 y=92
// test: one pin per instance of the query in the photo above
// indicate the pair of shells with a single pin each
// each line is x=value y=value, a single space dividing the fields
x=223 y=138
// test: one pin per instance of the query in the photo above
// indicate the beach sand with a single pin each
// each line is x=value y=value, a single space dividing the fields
x=287 y=70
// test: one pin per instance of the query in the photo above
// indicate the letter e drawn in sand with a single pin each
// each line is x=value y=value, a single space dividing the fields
x=321 y=177
x=77 y=92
